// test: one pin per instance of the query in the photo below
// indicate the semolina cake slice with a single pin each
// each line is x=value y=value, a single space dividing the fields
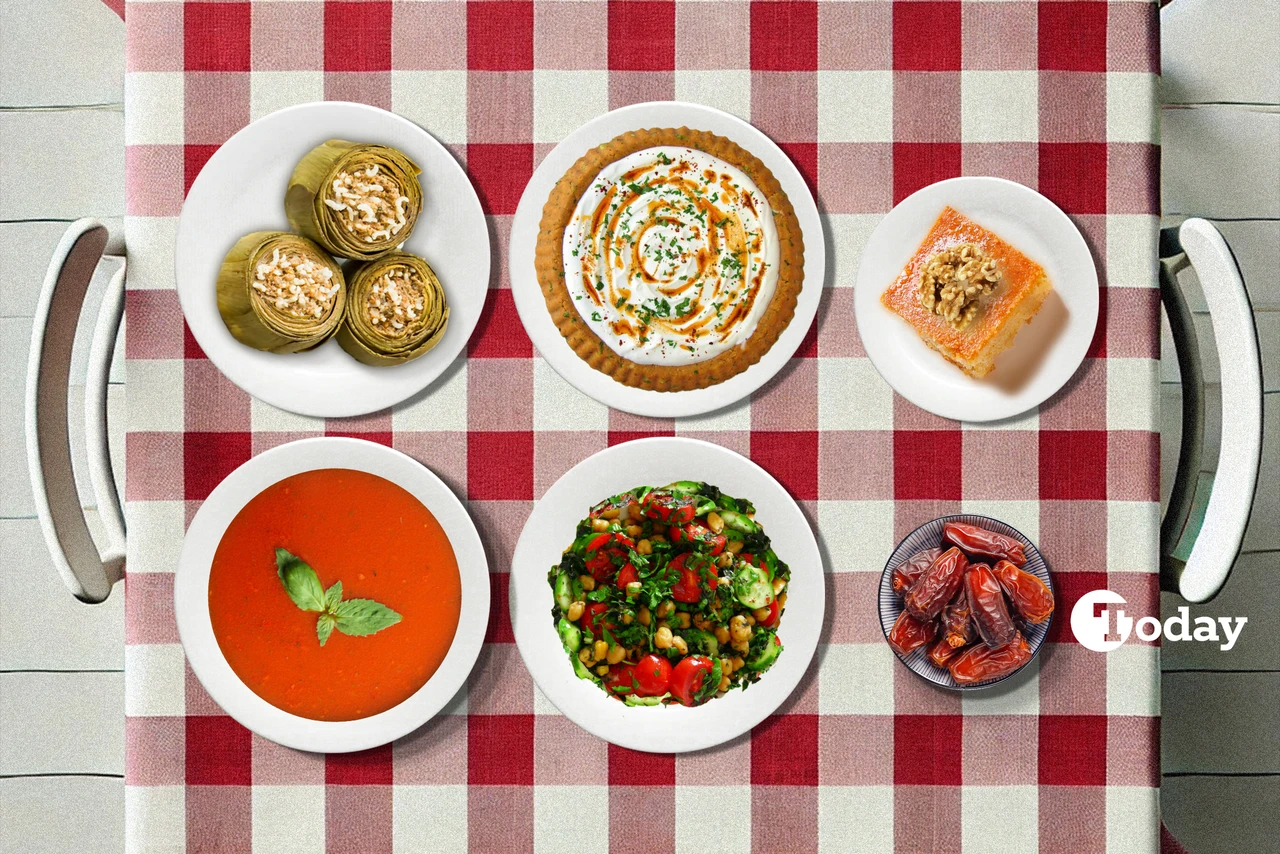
x=966 y=292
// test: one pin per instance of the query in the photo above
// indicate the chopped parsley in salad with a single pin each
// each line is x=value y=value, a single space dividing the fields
x=670 y=595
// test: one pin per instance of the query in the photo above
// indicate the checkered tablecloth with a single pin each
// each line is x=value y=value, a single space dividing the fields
x=872 y=100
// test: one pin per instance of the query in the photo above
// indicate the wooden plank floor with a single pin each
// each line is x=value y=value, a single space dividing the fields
x=61 y=703
x=61 y=676
x=1220 y=136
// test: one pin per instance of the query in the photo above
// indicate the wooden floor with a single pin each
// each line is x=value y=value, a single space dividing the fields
x=61 y=680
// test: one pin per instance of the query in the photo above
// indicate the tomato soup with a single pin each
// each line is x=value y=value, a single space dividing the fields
x=382 y=544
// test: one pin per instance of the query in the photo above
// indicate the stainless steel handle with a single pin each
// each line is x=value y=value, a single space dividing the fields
x=1207 y=515
x=87 y=573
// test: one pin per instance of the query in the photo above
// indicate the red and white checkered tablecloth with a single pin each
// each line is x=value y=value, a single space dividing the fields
x=872 y=100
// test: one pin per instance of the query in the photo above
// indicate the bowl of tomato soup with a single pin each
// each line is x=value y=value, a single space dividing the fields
x=332 y=594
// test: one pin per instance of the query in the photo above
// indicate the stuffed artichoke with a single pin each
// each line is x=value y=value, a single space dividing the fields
x=357 y=200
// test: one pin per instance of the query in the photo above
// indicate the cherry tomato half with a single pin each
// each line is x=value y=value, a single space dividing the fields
x=687 y=677
x=626 y=575
x=652 y=676
x=621 y=679
x=669 y=509
x=601 y=551
x=772 y=620
x=695 y=533
x=687 y=588
x=593 y=618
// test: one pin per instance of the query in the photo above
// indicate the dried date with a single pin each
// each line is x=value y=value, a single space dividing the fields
x=980 y=541
x=936 y=587
x=1030 y=596
x=986 y=601
x=941 y=652
x=980 y=663
x=957 y=620
x=909 y=634
x=909 y=571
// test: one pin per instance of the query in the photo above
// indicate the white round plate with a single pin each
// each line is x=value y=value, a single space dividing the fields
x=533 y=308
x=674 y=728
x=191 y=595
x=1046 y=352
x=241 y=190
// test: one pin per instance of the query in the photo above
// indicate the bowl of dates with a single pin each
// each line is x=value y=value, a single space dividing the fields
x=966 y=601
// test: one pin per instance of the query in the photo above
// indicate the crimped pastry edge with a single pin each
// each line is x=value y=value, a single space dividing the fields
x=549 y=263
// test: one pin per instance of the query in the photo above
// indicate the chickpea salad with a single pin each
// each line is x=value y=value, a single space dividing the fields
x=670 y=595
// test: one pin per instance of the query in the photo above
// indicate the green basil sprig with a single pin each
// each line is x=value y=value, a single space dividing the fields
x=355 y=617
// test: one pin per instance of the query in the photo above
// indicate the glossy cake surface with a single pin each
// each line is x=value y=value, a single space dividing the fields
x=1014 y=301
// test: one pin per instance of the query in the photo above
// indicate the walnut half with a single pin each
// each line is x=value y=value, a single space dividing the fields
x=954 y=280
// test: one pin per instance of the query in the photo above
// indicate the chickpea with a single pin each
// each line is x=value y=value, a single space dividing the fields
x=724 y=561
x=601 y=650
x=645 y=617
x=701 y=622
x=761 y=614
x=782 y=601
x=662 y=638
x=665 y=608
x=714 y=522
x=627 y=618
x=680 y=646
x=588 y=583
x=585 y=656
x=683 y=618
x=724 y=682
x=658 y=538
x=603 y=670
x=616 y=653
x=634 y=531
x=722 y=634
x=734 y=546
x=575 y=611
x=633 y=588
x=644 y=547
x=612 y=513
x=599 y=525
x=739 y=630
x=751 y=620
x=743 y=646
x=779 y=584
x=738 y=662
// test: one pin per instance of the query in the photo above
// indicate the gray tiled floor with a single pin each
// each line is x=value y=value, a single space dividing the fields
x=1222 y=68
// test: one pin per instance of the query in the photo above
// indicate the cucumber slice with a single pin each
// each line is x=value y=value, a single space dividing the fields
x=581 y=669
x=767 y=655
x=564 y=591
x=631 y=700
x=739 y=522
x=751 y=587
x=570 y=636
x=704 y=642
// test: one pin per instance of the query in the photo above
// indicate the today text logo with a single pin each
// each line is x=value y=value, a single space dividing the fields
x=1100 y=624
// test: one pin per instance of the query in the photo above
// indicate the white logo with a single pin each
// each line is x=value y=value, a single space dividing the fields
x=1101 y=627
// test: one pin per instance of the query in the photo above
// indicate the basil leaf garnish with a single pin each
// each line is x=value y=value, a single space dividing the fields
x=333 y=596
x=324 y=627
x=300 y=582
x=361 y=617
x=355 y=617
